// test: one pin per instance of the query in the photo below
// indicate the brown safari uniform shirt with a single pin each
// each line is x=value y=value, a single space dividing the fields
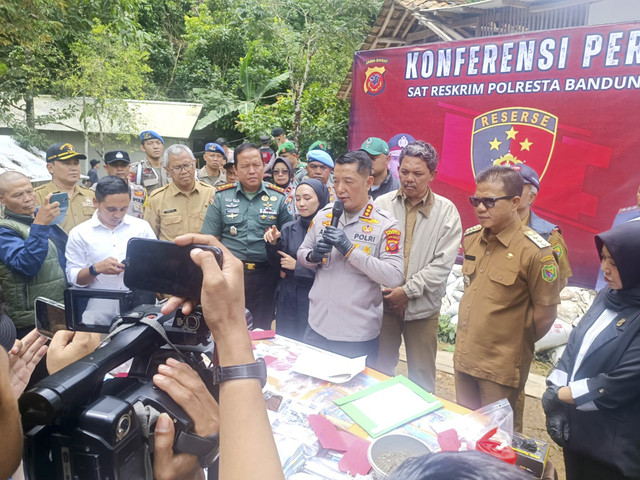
x=504 y=275
x=80 y=204
x=172 y=213
x=560 y=248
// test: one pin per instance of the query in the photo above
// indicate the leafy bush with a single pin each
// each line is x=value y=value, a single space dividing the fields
x=446 y=330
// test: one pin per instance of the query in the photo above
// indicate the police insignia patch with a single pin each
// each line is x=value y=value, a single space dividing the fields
x=393 y=240
x=558 y=250
x=549 y=273
x=367 y=211
x=226 y=186
x=367 y=229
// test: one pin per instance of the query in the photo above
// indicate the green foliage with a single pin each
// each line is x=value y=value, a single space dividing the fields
x=108 y=69
x=324 y=117
x=446 y=330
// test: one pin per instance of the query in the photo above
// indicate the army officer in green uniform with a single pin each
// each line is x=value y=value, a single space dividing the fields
x=239 y=216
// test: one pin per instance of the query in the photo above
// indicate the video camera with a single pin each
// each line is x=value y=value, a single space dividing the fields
x=80 y=426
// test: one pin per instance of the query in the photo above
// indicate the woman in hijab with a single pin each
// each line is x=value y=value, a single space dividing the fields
x=292 y=302
x=592 y=401
x=282 y=176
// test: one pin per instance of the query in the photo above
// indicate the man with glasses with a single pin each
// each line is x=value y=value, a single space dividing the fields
x=63 y=163
x=180 y=206
x=239 y=217
x=149 y=172
x=510 y=297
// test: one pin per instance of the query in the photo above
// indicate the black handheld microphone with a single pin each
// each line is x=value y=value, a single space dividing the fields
x=336 y=212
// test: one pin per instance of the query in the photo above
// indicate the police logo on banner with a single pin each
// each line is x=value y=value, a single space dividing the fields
x=374 y=76
x=513 y=135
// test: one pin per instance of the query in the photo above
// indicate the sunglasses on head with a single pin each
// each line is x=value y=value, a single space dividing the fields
x=488 y=202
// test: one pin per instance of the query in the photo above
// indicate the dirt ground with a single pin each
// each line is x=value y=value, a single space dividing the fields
x=534 y=420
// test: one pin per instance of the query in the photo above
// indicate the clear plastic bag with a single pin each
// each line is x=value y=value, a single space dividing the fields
x=473 y=426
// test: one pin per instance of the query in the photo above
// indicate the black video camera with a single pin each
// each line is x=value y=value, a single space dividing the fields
x=80 y=426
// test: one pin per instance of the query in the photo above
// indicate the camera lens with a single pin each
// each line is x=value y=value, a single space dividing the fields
x=123 y=426
x=191 y=322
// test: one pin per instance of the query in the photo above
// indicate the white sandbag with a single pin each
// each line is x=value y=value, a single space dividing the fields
x=557 y=335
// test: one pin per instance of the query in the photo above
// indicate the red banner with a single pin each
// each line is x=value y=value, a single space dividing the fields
x=565 y=102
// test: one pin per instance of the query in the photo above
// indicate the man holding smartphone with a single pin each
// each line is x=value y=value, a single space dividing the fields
x=32 y=250
x=63 y=163
x=96 y=248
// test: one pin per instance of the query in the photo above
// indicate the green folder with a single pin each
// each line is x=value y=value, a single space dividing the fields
x=388 y=405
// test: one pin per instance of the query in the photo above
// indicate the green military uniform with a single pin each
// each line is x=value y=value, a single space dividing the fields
x=80 y=204
x=171 y=212
x=239 y=220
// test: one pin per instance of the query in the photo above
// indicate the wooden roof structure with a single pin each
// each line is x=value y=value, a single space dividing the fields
x=402 y=23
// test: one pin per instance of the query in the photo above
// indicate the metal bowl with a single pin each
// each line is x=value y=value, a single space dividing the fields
x=386 y=453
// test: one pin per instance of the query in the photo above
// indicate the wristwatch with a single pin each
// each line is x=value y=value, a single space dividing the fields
x=250 y=370
x=92 y=270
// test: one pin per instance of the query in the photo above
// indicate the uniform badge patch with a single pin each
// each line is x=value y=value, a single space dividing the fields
x=367 y=249
x=233 y=230
x=558 y=250
x=264 y=198
x=549 y=273
x=371 y=221
x=367 y=229
x=393 y=240
x=367 y=211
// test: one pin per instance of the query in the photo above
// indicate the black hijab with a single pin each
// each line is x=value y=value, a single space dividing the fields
x=322 y=192
x=623 y=243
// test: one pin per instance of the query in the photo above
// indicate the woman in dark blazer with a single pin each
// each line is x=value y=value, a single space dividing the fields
x=592 y=401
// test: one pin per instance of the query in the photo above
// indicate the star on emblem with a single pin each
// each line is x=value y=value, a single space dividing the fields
x=511 y=133
x=525 y=145
x=495 y=144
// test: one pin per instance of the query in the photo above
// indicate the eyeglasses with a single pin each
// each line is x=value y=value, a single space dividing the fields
x=186 y=167
x=281 y=172
x=488 y=202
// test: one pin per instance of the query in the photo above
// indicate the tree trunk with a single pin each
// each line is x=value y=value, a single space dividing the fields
x=30 y=112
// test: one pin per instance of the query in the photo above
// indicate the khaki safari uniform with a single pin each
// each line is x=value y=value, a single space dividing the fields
x=150 y=177
x=218 y=181
x=551 y=233
x=80 y=204
x=239 y=220
x=171 y=213
x=345 y=301
x=504 y=276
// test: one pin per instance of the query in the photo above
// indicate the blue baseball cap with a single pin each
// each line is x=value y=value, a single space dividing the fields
x=528 y=174
x=148 y=135
x=320 y=156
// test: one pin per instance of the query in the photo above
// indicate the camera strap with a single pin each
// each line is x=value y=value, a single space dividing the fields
x=120 y=325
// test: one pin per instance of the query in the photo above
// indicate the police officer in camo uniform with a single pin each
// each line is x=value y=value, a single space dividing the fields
x=117 y=163
x=149 y=173
x=239 y=217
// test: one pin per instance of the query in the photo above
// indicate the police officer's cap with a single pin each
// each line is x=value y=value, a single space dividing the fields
x=63 y=151
x=528 y=174
x=149 y=135
x=116 y=156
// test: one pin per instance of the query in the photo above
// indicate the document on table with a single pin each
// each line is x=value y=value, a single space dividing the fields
x=388 y=405
x=328 y=366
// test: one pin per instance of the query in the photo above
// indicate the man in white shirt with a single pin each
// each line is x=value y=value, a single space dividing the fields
x=97 y=247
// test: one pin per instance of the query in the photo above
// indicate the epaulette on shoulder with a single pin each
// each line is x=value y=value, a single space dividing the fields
x=537 y=239
x=473 y=229
x=276 y=188
x=224 y=187
x=86 y=190
x=158 y=190
x=41 y=187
